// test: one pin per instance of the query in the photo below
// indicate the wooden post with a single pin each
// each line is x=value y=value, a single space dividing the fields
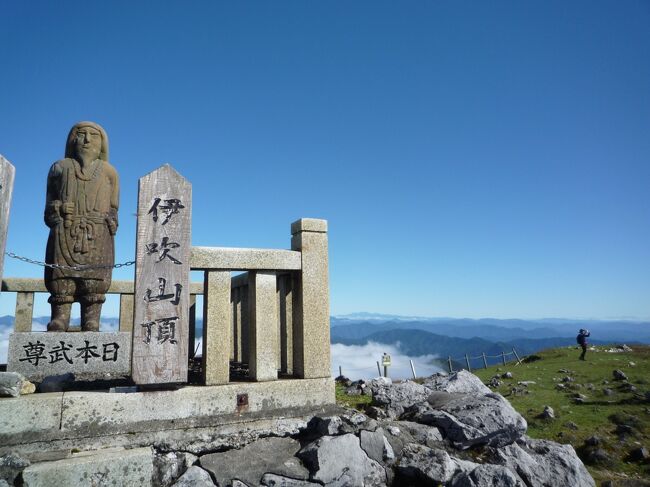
x=503 y=357
x=485 y=360
x=340 y=371
x=378 y=368
x=469 y=368
x=413 y=369
x=7 y=172
x=162 y=278
x=517 y=356
x=451 y=368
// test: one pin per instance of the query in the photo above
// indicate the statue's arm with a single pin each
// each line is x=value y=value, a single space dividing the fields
x=52 y=202
x=115 y=200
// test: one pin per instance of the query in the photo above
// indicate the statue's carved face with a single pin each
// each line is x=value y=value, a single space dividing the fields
x=88 y=143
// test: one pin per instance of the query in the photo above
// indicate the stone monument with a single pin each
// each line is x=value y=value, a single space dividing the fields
x=81 y=211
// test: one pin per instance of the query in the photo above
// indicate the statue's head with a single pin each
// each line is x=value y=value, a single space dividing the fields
x=87 y=141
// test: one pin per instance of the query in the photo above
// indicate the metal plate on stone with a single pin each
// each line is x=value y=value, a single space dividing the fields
x=88 y=355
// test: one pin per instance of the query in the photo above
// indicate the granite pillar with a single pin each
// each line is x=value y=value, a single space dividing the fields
x=311 y=326
x=216 y=327
x=263 y=339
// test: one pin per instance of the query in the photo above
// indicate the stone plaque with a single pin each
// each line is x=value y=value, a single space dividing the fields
x=88 y=355
x=162 y=291
x=7 y=172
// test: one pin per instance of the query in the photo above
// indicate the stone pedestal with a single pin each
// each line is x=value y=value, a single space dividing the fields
x=88 y=355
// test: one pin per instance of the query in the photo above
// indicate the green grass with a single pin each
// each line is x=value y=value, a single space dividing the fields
x=356 y=402
x=599 y=415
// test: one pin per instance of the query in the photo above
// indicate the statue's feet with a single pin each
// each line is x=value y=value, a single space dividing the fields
x=57 y=325
x=90 y=326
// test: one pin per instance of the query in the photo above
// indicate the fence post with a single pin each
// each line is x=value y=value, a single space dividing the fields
x=469 y=368
x=413 y=369
x=311 y=300
x=379 y=368
x=484 y=360
x=503 y=357
x=451 y=368
x=340 y=371
x=7 y=172
x=515 y=352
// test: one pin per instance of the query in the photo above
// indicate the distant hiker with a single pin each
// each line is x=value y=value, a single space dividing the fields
x=582 y=341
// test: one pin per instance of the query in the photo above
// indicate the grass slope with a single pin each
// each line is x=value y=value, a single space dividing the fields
x=600 y=414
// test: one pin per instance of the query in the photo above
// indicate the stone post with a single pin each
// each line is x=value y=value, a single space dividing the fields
x=263 y=339
x=285 y=295
x=311 y=339
x=217 y=327
x=126 y=312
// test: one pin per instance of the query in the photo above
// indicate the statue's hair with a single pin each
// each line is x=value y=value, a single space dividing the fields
x=69 y=145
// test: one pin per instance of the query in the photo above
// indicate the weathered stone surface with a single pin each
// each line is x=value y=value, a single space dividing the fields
x=217 y=312
x=312 y=311
x=167 y=467
x=468 y=420
x=541 y=462
x=487 y=476
x=194 y=477
x=10 y=466
x=29 y=418
x=619 y=375
x=244 y=259
x=94 y=355
x=250 y=463
x=376 y=446
x=272 y=480
x=340 y=461
x=263 y=326
x=81 y=206
x=423 y=464
x=395 y=398
x=127 y=468
x=10 y=384
x=547 y=413
x=459 y=382
x=425 y=435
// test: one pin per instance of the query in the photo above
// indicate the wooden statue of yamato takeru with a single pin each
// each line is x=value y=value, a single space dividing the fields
x=81 y=211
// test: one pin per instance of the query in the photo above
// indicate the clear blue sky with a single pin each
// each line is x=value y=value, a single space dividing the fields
x=473 y=159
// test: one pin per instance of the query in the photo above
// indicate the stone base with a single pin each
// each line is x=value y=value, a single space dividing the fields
x=88 y=355
x=38 y=423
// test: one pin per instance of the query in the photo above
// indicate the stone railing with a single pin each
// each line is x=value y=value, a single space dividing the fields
x=273 y=317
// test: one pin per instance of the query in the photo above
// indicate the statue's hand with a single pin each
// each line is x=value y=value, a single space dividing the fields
x=67 y=208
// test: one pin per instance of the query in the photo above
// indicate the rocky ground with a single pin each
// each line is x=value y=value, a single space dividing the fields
x=448 y=430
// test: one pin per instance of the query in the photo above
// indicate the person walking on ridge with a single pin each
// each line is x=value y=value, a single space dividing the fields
x=582 y=341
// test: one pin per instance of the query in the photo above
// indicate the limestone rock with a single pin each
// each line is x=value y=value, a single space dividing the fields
x=250 y=463
x=468 y=420
x=272 y=480
x=422 y=464
x=10 y=466
x=169 y=466
x=461 y=382
x=619 y=375
x=548 y=413
x=543 y=463
x=425 y=435
x=339 y=461
x=194 y=477
x=487 y=476
x=395 y=398
x=376 y=446
x=10 y=384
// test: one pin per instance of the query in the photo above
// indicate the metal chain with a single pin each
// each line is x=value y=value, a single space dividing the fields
x=67 y=267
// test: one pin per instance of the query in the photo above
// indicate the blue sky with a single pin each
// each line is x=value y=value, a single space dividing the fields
x=473 y=159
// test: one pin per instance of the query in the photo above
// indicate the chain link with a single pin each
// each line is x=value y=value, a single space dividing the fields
x=67 y=267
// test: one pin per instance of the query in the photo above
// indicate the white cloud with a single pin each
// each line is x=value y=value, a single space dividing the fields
x=360 y=361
